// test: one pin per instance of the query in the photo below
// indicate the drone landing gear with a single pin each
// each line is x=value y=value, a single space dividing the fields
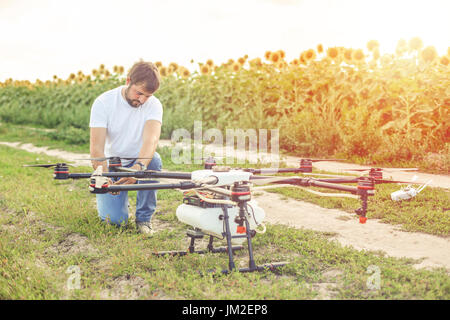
x=245 y=227
x=243 y=232
x=197 y=234
x=365 y=189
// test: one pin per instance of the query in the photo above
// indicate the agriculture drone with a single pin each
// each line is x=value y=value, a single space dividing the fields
x=217 y=200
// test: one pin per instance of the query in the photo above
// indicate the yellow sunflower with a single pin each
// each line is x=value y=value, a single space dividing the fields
x=183 y=72
x=445 y=60
x=163 y=71
x=302 y=58
x=429 y=54
x=372 y=44
x=415 y=44
x=204 y=69
x=255 y=62
x=358 y=55
x=320 y=48
x=173 y=67
x=267 y=55
x=348 y=55
x=295 y=62
x=281 y=65
x=274 y=57
x=310 y=54
x=332 y=53
x=376 y=54
x=236 y=66
x=402 y=47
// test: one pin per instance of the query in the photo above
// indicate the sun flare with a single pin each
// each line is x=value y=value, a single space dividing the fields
x=388 y=22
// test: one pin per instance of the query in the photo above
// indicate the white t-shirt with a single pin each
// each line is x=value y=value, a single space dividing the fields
x=124 y=123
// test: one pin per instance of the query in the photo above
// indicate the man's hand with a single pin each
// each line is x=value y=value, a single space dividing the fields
x=129 y=180
x=110 y=183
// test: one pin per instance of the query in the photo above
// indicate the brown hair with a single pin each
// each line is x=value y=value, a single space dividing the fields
x=145 y=73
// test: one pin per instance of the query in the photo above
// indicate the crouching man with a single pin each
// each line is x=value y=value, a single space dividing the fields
x=126 y=122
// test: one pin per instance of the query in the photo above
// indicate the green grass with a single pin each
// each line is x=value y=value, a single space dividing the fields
x=47 y=226
x=41 y=137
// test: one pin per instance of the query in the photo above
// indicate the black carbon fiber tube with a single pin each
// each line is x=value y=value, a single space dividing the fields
x=152 y=186
x=319 y=183
x=137 y=174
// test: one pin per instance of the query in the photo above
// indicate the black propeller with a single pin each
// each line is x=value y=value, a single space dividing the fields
x=47 y=165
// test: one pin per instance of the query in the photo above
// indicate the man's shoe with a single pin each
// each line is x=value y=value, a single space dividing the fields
x=144 y=227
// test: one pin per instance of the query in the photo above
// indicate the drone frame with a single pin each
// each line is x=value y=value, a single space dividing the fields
x=99 y=183
x=240 y=195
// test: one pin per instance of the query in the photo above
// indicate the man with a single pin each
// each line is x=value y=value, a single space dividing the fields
x=126 y=122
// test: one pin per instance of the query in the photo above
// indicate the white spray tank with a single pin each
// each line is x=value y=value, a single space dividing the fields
x=409 y=192
x=210 y=220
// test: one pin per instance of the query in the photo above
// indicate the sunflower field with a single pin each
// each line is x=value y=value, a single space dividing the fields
x=354 y=103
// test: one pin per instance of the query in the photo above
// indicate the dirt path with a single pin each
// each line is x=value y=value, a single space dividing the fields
x=373 y=235
x=433 y=251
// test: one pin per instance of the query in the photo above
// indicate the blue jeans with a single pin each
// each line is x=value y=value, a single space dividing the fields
x=114 y=208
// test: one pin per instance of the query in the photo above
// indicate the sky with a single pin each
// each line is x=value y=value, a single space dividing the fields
x=39 y=39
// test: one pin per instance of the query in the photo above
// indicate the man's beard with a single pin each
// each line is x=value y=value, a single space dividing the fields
x=130 y=101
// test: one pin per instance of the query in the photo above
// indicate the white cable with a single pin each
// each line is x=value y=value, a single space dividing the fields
x=216 y=201
x=262 y=231
x=256 y=222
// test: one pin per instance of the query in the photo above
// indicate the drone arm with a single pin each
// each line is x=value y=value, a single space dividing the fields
x=151 y=186
x=307 y=182
x=136 y=174
x=168 y=175
x=333 y=186
x=274 y=171
x=79 y=175
x=339 y=180
x=109 y=175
